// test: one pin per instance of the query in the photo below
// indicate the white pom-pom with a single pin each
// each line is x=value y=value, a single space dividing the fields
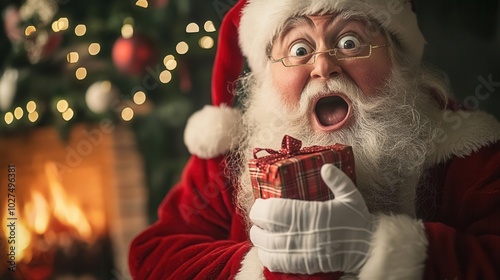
x=208 y=132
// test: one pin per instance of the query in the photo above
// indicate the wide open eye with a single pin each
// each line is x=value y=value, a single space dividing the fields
x=300 y=49
x=348 y=42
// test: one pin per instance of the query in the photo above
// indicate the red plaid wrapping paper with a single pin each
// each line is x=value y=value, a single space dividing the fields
x=294 y=173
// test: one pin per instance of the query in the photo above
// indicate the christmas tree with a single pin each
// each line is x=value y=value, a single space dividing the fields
x=146 y=63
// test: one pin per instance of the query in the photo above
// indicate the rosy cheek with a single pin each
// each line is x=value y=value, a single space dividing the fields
x=289 y=84
x=372 y=78
x=372 y=81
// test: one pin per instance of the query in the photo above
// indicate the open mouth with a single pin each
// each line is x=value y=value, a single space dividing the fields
x=331 y=112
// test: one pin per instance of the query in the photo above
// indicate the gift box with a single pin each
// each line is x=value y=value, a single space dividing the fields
x=294 y=172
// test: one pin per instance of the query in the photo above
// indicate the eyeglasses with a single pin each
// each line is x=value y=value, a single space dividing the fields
x=363 y=51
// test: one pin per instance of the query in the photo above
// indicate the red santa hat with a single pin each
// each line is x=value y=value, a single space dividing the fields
x=209 y=131
x=248 y=30
x=262 y=19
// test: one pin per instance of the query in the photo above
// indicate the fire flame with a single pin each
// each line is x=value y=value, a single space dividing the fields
x=23 y=242
x=66 y=210
x=22 y=238
x=40 y=213
x=37 y=212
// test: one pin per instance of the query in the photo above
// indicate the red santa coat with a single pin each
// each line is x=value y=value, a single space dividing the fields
x=201 y=235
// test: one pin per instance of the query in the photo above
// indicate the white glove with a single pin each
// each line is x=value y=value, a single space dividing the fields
x=307 y=237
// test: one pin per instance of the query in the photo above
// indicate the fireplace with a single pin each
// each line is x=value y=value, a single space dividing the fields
x=70 y=207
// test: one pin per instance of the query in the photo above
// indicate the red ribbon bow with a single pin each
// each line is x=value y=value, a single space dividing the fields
x=289 y=147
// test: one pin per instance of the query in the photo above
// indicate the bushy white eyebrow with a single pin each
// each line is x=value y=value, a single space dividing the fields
x=292 y=23
x=301 y=20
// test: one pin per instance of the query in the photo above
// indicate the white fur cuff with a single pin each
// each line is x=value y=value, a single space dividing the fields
x=209 y=131
x=251 y=267
x=398 y=249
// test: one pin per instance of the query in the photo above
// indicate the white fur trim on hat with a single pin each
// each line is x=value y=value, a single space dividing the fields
x=398 y=249
x=261 y=20
x=209 y=131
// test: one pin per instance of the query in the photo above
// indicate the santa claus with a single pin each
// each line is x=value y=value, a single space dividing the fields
x=426 y=203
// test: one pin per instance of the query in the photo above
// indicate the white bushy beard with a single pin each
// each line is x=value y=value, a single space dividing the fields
x=390 y=136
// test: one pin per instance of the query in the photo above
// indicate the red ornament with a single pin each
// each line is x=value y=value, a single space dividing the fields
x=132 y=55
x=52 y=44
x=160 y=3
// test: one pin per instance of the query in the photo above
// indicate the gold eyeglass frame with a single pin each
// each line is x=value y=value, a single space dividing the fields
x=331 y=52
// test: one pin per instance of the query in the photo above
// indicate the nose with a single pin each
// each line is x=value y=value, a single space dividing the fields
x=326 y=66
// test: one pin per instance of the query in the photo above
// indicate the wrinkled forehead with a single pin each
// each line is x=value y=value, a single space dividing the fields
x=332 y=18
x=372 y=27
